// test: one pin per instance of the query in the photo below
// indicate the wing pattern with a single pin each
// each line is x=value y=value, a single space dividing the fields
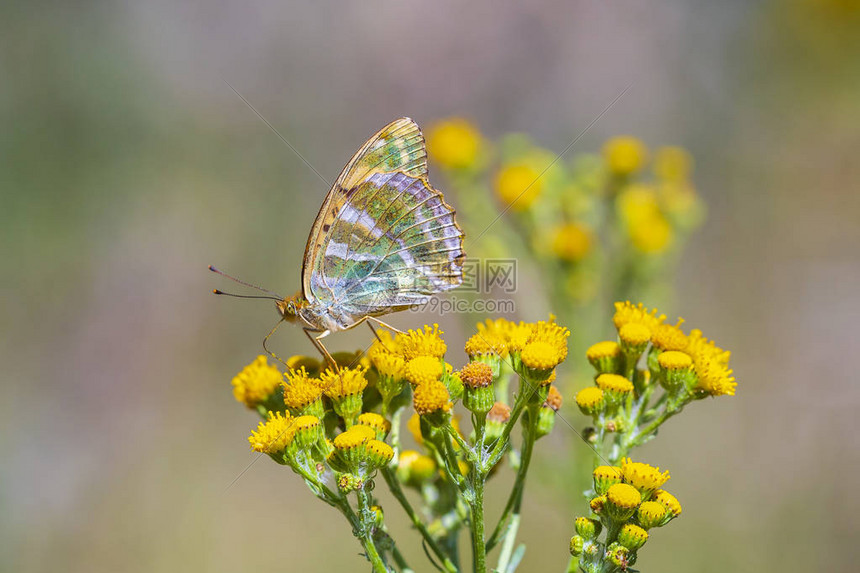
x=399 y=146
x=391 y=244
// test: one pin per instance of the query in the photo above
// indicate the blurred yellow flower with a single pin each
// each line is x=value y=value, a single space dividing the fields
x=518 y=186
x=673 y=164
x=651 y=236
x=625 y=154
x=454 y=143
x=637 y=203
x=572 y=242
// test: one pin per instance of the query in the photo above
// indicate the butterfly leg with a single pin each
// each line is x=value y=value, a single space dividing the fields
x=384 y=325
x=266 y=348
x=315 y=340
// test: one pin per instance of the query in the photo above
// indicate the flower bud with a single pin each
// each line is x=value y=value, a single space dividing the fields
x=651 y=514
x=576 y=544
x=350 y=448
x=668 y=501
x=615 y=388
x=588 y=528
x=590 y=400
x=634 y=338
x=376 y=423
x=378 y=454
x=632 y=536
x=308 y=431
x=676 y=370
x=605 y=477
x=605 y=357
x=478 y=393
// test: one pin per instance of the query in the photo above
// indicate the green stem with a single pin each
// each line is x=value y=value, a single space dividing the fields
x=514 y=503
x=479 y=551
x=365 y=531
x=400 y=496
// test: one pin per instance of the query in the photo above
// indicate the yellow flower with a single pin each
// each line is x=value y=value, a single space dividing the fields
x=622 y=501
x=426 y=342
x=604 y=356
x=668 y=337
x=423 y=369
x=572 y=242
x=552 y=334
x=476 y=375
x=674 y=360
x=431 y=397
x=711 y=364
x=651 y=514
x=375 y=422
x=647 y=227
x=605 y=477
x=414 y=468
x=352 y=438
x=518 y=186
x=673 y=164
x=632 y=536
x=634 y=334
x=414 y=427
x=589 y=400
x=643 y=477
x=651 y=236
x=491 y=339
x=273 y=435
x=614 y=383
x=379 y=453
x=307 y=431
x=625 y=154
x=346 y=382
x=454 y=143
x=668 y=501
x=517 y=334
x=637 y=203
x=384 y=357
x=299 y=390
x=541 y=355
x=256 y=382
x=626 y=312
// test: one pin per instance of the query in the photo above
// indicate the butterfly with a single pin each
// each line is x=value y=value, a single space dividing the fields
x=383 y=241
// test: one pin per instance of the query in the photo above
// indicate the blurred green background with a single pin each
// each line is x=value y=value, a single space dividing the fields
x=127 y=165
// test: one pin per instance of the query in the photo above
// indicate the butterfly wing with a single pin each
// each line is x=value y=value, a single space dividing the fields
x=385 y=239
x=399 y=146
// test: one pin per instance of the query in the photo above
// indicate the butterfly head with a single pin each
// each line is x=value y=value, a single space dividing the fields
x=291 y=306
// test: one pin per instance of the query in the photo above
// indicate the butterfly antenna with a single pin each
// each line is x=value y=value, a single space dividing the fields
x=264 y=296
x=241 y=282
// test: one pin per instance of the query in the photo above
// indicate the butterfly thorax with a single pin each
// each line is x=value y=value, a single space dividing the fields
x=314 y=315
x=326 y=317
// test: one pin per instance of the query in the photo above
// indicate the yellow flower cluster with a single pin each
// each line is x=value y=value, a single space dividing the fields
x=676 y=350
x=630 y=499
x=256 y=383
